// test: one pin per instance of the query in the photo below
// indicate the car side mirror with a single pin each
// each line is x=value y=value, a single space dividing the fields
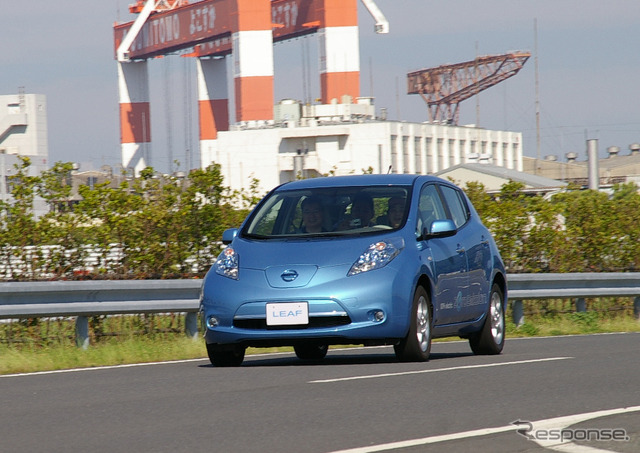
x=439 y=229
x=229 y=235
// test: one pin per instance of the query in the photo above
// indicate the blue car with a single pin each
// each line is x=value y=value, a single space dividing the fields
x=367 y=259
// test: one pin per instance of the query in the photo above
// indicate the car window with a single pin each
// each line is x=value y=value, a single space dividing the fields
x=265 y=220
x=457 y=207
x=430 y=208
x=330 y=211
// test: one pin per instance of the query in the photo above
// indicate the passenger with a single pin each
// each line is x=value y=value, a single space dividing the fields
x=395 y=211
x=361 y=212
x=312 y=216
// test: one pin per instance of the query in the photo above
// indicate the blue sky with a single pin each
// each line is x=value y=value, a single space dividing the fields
x=588 y=59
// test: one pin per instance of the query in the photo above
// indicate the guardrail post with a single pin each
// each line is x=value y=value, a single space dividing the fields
x=191 y=324
x=517 y=313
x=636 y=308
x=581 y=305
x=82 y=332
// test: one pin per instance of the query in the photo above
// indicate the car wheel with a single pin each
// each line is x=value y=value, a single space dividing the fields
x=311 y=351
x=490 y=340
x=416 y=346
x=225 y=356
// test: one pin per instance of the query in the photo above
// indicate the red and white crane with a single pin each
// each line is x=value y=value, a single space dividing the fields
x=444 y=87
x=245 y=29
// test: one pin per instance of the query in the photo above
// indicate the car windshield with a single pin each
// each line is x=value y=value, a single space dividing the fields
x=330 y=211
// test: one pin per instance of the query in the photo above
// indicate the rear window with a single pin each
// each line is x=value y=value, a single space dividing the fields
x=329 y=212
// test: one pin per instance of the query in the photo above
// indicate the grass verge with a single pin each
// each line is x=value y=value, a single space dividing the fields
x=32 y=358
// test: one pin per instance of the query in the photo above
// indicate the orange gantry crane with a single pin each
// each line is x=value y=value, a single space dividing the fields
x=246 y=30
x=444 y=87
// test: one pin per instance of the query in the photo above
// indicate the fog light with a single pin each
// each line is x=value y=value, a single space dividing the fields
x=212 y=322
x=377 y=315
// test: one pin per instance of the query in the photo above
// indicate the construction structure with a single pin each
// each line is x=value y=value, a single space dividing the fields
x=244 y=29
x=443 y=88
x=278 y=142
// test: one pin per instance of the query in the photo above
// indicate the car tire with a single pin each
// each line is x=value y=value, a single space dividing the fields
x=225 y=356
x=311 y=351
x=490 y=340
x=416 y=346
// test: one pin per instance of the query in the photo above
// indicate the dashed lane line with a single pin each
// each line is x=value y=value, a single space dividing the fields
x=436 y=370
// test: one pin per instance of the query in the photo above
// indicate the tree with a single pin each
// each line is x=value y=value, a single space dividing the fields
x=625 y=227
x=508 y=219
x=19 y=234
x=61 y=229
x=106 y=211
x=588 y=245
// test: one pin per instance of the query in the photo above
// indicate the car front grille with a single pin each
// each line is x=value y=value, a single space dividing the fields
x=315 y=322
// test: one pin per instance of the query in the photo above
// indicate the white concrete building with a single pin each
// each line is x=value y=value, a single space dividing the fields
x=23 y=132
x=23 y=126
x=346 y=138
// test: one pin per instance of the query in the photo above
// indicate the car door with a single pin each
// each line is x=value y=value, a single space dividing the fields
x=469 y=238
x=447 y=258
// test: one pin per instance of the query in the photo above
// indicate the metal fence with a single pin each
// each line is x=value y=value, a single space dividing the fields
x=83 y=299
x=578 y=286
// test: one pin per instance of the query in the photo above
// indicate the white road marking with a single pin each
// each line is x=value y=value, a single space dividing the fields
x=558 y=422
x=258 y=356
x=98 y=368
x=128 y=365
x=435 y=370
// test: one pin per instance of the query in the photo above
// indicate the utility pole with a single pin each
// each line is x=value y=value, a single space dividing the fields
x=535 y=39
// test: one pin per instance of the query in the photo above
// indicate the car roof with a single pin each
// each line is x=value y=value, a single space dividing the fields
x=356 y=180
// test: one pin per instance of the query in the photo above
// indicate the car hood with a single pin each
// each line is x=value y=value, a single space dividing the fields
x=316 y=252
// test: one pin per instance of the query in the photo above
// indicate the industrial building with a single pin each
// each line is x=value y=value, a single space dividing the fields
x=339 y=139
x=274 y=142
x=618 y=167
x=23 y=132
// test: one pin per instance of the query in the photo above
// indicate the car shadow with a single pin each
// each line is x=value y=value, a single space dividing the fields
x=336 y=359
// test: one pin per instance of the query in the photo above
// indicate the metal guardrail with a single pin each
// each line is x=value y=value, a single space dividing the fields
x=100 y=297
x=569 y=285
x=111 y=297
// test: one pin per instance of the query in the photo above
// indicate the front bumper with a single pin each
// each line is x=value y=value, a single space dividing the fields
x=341 y=310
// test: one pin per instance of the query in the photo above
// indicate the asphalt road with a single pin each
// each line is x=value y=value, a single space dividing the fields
x=359 y=400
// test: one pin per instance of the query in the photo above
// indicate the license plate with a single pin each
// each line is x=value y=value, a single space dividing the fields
x=287 y=314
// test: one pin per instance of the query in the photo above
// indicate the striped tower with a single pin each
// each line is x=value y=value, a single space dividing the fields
x=135 y=124
x=339 y=50
x=213 y=103
x=253 y=60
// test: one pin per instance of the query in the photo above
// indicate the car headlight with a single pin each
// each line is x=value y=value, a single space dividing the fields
x=376 y=256
x=227 y=263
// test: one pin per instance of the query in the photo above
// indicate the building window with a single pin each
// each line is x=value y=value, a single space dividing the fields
x=452 y=153
x=508 y=158
x=405 y=154
x=429 y=146
x=440 y=154
x=417 y=154
x=394 y=154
